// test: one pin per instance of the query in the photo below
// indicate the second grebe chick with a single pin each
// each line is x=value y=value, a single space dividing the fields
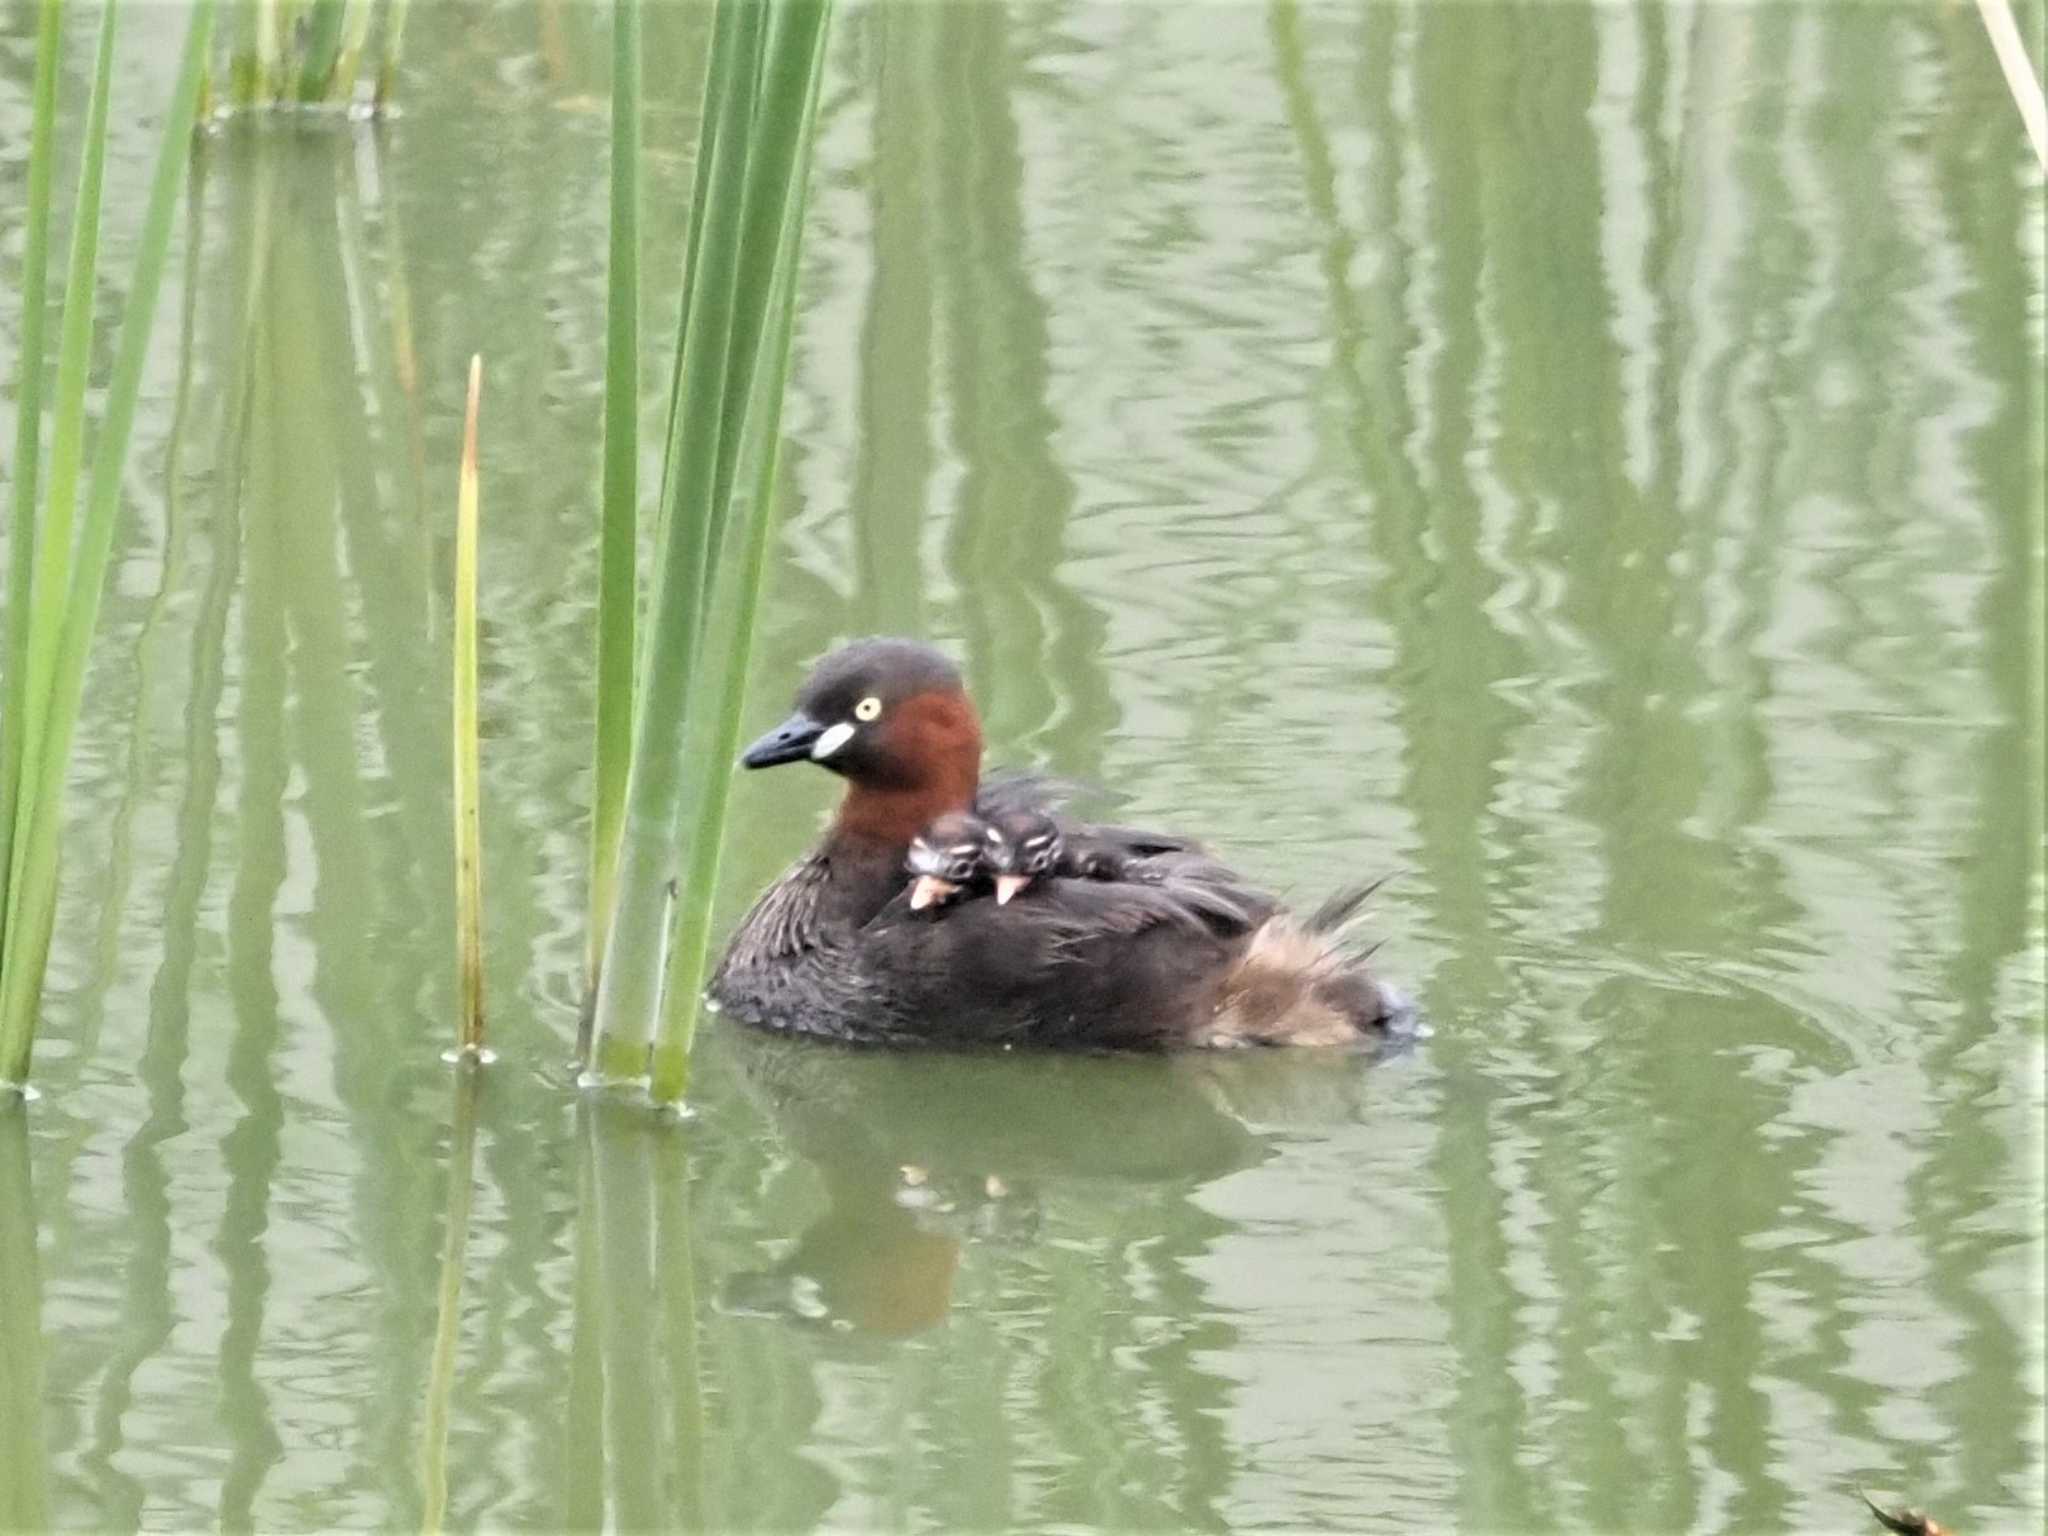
x=946 y=858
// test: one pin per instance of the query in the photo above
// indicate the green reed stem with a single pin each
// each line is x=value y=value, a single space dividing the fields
x=799 y=60
x=618 y=576
x=712 y=107
x=771 y=220
x=628 y=990
x=703 y=354
x=54 y=531
x=760 y=96
x=28 y=430
x=31 y=907
x=469 y=852
x=323 y=50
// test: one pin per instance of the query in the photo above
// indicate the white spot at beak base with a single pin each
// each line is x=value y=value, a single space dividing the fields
x=834 y=737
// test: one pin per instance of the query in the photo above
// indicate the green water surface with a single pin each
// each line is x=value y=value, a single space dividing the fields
x=1585 y=460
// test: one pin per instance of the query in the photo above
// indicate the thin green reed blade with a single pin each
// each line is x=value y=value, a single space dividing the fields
x=618 y=591
x=32 y=904
x=795 y=66
x=21 y=528
x=689 y=515
x=53 y=551
x=709 y=111
x=779 y=141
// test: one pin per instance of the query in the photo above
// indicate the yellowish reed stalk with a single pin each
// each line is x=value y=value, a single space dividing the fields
x=355 y=34
x=469 y=873
x=387 y=67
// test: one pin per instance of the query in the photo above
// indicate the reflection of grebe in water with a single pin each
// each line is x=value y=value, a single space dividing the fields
x=883 y=1257
x=927 y=1158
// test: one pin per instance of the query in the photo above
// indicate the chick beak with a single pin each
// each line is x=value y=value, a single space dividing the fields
x=1008 y=886
x=929 y=891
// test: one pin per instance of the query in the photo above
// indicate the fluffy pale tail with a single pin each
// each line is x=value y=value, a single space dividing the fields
x=1295 y=983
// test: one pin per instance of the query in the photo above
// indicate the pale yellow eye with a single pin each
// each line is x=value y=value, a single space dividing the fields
x=867 y=708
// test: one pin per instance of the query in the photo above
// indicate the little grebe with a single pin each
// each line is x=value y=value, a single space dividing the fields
x=1173 y=950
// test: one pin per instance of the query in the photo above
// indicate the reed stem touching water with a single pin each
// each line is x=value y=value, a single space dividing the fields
x=309 y=53
x=714 y=523
x=394 y=40
x=618 y=594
